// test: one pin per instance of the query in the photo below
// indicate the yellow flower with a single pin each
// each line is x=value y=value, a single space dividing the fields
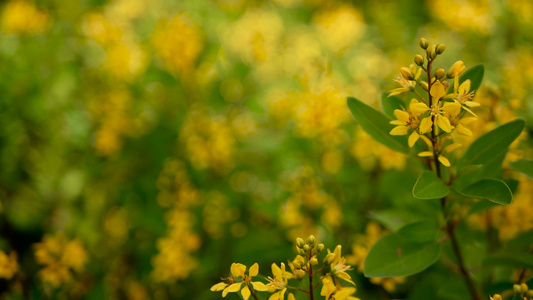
x=455 y=70
x=438 y=112
x=495 y=297
x=279 y=282
x=8 y=265
x=409 y=83
x=238 y=271
x=463 y=95
x=328 y=287
x=339 y=266
x=407 y=120
x=345 y=294
x=442 y=159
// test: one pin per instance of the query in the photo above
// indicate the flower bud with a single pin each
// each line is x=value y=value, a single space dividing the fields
x=320 y=247
x=300 y=242
x=311 y=240
x=440 y=48
x=406 y=73
x=432 y=52
x=297 y=264
x=301 y=251
x=306 y=248
x=456 y=69
x=524 y=287
x=517 y=289
x=329 y=258
x=313 y=261
x=496 y=297
x=419 y=60
x=423 y=43
x=440 y=73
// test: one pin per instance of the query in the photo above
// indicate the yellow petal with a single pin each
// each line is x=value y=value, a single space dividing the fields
x=425 y=125
x=444 y=123
x=468 y=120
x=437 y=90
x=443 y=160
x=418 y=108
x=219 y=287
x=452 y=147
x=453 y=108
x=457 y=68
x=254 y=270
x=401 y=115
x=468 y=110
x=259 y=286
x=274 y=296
x=232 y=288
x=462 y=130
x=427 y=140
x=464 y=88
x=237 y=270
x=399 y=130
x=276 y=271
x=246 y=293
x=398 y=91
x=344 y=276
x=425 y=154
x=291 y=297
x=413 y=138
x=472 y=104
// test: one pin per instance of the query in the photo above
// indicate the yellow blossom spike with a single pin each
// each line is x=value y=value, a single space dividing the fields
x=437 y=90
x=245 y=293
x=443 y=123
x=399 y=130
x=426 y=125
x=425 y=154
x=219 y=287
x=413 y=138
x=254 y=270
x=452 y=147
x=443 y=160
x=237 y=270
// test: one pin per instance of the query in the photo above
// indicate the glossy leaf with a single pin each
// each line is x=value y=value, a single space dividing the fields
x=429 y=186
x=493 y=190
x=390 y=104
x=475 y=74
x=524 y=166
x=423 y=231
x=396 y=256
x=376 y=125
x=518 y=260
x=489 y=145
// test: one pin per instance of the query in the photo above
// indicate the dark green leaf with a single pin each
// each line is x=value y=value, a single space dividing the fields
x=419 y=232
x=493 y=190
x=429 y=186
x=396 y=256
x=475 y=74
x=518 y=260
x=524 y=166
x=390 y=104
x=376 y=125
x=393 y=219
x=486 y=147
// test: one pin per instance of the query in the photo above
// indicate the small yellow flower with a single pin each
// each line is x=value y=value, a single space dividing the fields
x=238 y=271
x=407 y=120
x=278 y=284
x=442 y=159
x=345 y=294
x=8 y=265
x=407 y=84
x=455 y=70
x=463 y=96
x=496 y=297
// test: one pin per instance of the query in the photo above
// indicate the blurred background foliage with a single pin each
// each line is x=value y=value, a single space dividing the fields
x=146 y=145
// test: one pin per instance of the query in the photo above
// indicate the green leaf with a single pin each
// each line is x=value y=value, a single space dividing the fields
x=419 y=232
x=429 y=186
x=390 y=104
x=493 y=190
x=524 y=166
x=396 y=256
x=492 y=143
x=518 y=260
x=475 y=74
x=393 y=219
x=376 y=125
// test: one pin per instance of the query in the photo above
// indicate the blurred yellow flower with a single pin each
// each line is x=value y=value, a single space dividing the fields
x=8 y=265
x=22 y=17
x=339 y=27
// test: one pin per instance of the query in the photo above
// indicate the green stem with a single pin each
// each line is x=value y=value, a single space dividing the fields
x=310 y=273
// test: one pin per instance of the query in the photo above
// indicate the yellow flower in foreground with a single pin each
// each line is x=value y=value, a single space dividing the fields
x=407 y=81
x=278 y=284
x=463 y=96
x=238 y=271
x=8 y=265
x=338 y=270
x=407 y=120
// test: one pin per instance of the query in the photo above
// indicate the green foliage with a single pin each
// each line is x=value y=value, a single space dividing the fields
x=475 y=74
x=493 y=190
x=420 y=232
x=394 y=256
x=429 y=186
x=376 y=125
x=524 y=166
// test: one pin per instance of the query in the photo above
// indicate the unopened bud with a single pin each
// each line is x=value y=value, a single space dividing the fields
x=313 y=261
x=300 y=242
x=496 y=297
x=301 y=251
x=329 y=258
x=524 y=287
x=297 y=264
x=517 y=289
x=440 y=48
x=306 y=248
x=423 y=43
x=311 y=240
x=456 y=69
x=419 y=60
x=432 y=52
x=320 y=247
x=530 y=293
x=406 y=73
x=440 y=73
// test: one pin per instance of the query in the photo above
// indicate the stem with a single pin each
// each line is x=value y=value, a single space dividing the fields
x=450 y=228
x=310 y=273
x=254 y=294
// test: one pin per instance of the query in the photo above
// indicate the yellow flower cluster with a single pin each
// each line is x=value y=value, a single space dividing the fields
x=306 y=264
x=360 y=250
x=174 y=260
x=209 y=141
x=464 y=15
x=442 y=112
x=60 y=257
x=22 y=17
x=178 y=42
x=8 y=265
x=307 y=199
